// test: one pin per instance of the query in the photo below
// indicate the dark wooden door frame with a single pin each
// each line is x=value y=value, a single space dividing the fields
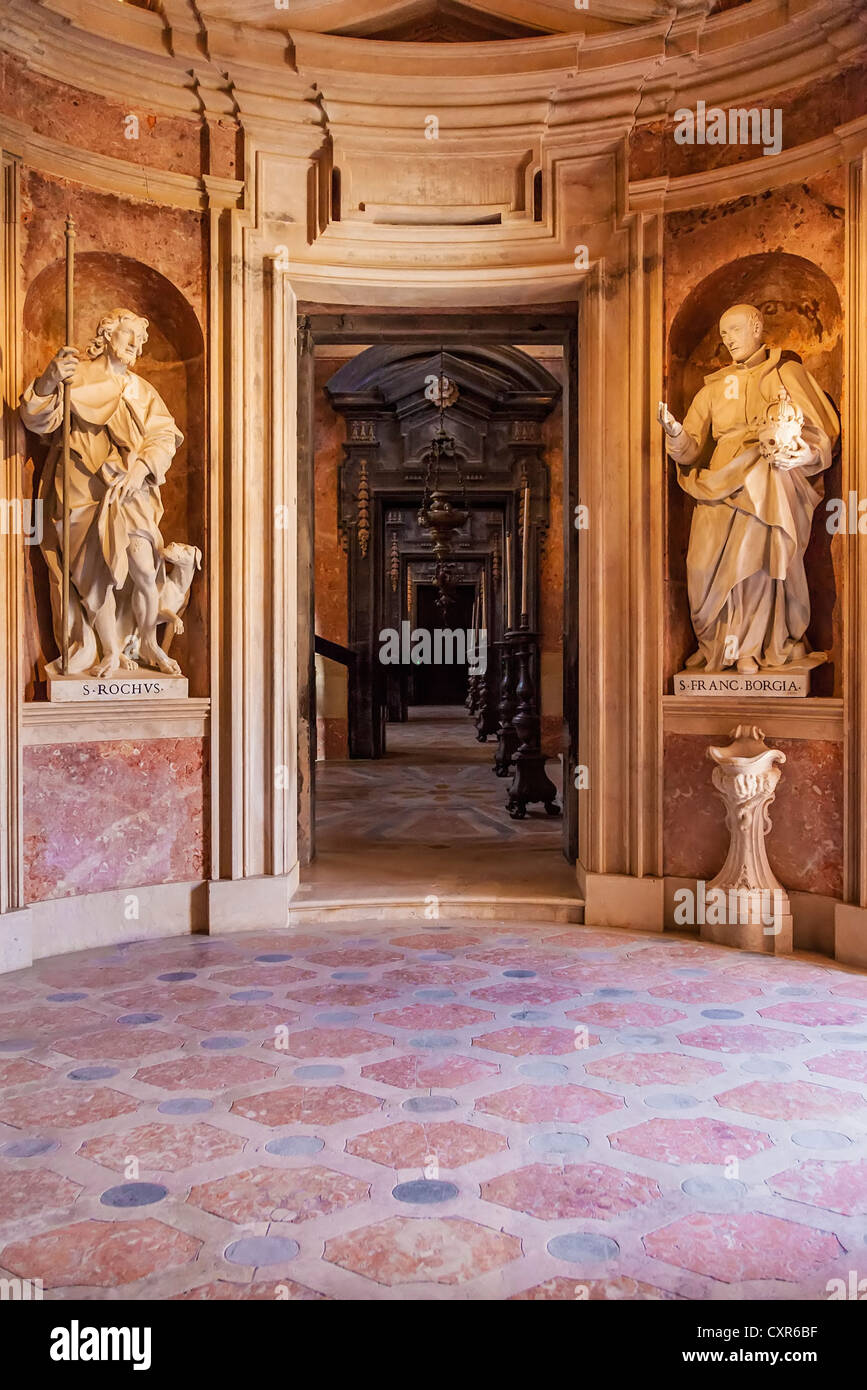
x=322 y=325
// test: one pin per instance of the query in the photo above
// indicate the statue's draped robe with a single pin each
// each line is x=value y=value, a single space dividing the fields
x=751 y=523
x=116 y=419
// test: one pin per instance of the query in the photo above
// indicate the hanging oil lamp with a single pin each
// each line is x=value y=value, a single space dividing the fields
x=438 y=514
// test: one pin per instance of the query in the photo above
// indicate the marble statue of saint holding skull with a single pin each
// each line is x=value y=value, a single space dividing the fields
x=773 y=430
x=124 y=581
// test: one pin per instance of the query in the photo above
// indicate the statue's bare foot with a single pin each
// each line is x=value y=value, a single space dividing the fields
x=108 y=665
x=748 y=666
x=153 y=656
x=126 y=663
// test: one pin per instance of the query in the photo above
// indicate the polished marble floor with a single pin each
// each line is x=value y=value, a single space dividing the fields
x=433 y=1111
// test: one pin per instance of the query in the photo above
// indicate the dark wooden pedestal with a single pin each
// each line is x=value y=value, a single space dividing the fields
x=530 y=782
x=507 y=738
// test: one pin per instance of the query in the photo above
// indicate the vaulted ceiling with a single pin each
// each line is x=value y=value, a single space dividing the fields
x=449 y=21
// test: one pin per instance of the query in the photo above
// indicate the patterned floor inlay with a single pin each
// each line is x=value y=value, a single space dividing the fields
x=333 y=1114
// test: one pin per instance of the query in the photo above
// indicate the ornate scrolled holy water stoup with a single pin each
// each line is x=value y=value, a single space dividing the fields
x=752 y=908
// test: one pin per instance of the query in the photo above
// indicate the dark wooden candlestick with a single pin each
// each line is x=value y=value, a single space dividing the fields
x=507 y=740
x=530 y=782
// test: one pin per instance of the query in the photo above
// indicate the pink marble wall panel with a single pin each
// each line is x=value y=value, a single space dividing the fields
x=805 y=845
x=113 y=815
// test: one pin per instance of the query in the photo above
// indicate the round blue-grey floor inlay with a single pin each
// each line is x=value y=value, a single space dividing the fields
x=531 y=1015
x=349 y=975
x=92 y=1073
x=691 y=972
x=17 y=1044
x=559 y=1146
x=251 y=996
x=291 y=1145
x=314 y=1072
x=429 y=1105
x=520 y=974
x=850 y=1039
x=637 y=1038
x=434 y=996
x=435 y=955
x=273 y=957
x=185 y=1105
x=134 y=1019
x=222 y=1044
x=795 y=991
x=133 y=1194
x=261 y=1250
x=583 y=1247
x=29 y=1148
x=67 y=997
x=714 y=1189
x=173 y=976
x=671 y=1100
x=820 y=1139
x=424 y=1191
x=433 y=1040
x=337 y=1016
x=765 y=1066
x=615 y=993
x=544 y=1071
x=721 y=1013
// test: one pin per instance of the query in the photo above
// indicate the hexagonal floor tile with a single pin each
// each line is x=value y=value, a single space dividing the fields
x=537 y=1104
x=160 y=997
x=524 y=992
x=278 y=1194
x=748 y=1037
x=690 y=1141
x=270 y=1290
x=100 y=1254
x=680 y=953
x=736 y=1248
x=530 y=1042
x=852 y=1066
x=590 y=1290
x=238 y=1018
x=415 y=1073
x=540 y=959
x=831 y=1186
x=587 y=1190
x=65 y=1107
x=335 y=1042
x=163 y=1147
x=261 y=976
x=24 y=1192
x=436 y=941
x=790 y=1100
x=636 y=1015
x=361 y=957
x=429 y=1250
x=16 y=1071
x=431 y=973
x=435 y=1016
x=205 y=1073
x=306 y=1105
x=349 y=996
x=410 y=1145
x=652 y=1068
x=120 y=1043
x=49 y=1021
x=715 y=991
x=586 y=978
x=67 y=974
x=820 y=1014
x=851 y=987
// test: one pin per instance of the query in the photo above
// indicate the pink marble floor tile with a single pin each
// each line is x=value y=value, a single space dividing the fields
x=772 y=972
x=261 y=976
x=410 y=1145
x=436 y=941
x=690 y=1141
x=164 y=1147
x=736 y=1248
x=430 y=1250
x=205 y=1073
x=360 y=957
x=68 y=974
x=654 y=1068
x=716 y=991
x=24 y=1192
x=815 y=1015
x=15 y=1071
x=160 y=998
x=681 y=953
x=542 y=960
x=851 y=987
x=306 y=1105
x=531 y=1042
x=584 y=938
x=49 y=1020
x=279 y=1194
x=448 y=973
x=830 y=1186
x=586 y=978
x=340 y=996
x=415 y=1072
x=577 y=1289
x=266 y=1290
x=334 y=1042
x=442 y=1016
x=524 y=992
x=852 y=1066
x=791 y=1100
x=536 y=1104
x=747 y=1037
x=586 y=1190
x=120 y=1043
x=238 y=1018
x=10 y=995
x=636 y=1015
x=100 y=1254
x=65 y=1107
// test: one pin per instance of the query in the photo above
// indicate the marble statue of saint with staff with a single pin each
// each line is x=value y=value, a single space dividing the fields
x=773 y=432
x=122 y=440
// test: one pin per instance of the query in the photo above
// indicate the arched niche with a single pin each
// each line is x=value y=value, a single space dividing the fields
x=173 y=362
x=802 y=313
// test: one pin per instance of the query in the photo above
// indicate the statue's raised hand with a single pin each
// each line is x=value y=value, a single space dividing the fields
x=60 y=369
x=671 y=425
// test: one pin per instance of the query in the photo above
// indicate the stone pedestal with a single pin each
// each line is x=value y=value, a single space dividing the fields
x=126 y=685
x=746 y=904
x=785 y=680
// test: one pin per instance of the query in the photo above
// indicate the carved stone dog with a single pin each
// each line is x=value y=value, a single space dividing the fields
x=175 y=592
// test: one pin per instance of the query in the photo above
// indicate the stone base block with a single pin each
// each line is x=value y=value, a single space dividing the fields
x=753 y=936
x=617 y=900
x=782 y=681
x=16 y=940
x=127 y=685
x=250 y=904
x=850 y=935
